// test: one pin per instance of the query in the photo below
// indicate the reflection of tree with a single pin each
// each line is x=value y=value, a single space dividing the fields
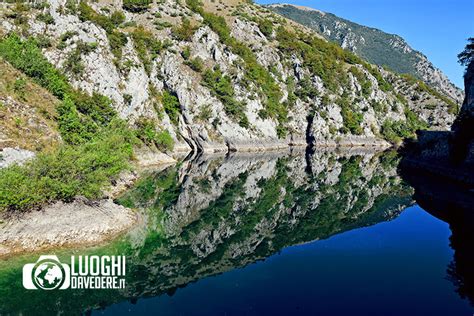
x=454 y=204
x=252 y=208
x=461 y=269
x=212 y=215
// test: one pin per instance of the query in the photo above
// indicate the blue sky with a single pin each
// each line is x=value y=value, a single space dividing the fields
x=437 y=28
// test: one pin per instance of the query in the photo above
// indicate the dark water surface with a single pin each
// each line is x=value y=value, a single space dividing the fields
x=392 y=268
x=332 y=233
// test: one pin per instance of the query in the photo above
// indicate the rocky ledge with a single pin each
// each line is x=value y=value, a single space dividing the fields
x=78 y=223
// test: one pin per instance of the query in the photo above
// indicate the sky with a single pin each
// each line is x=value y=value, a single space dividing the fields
x=437 y=28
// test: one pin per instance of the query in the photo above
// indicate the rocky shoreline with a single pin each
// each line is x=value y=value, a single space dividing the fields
x=81 y=222
x=85 y=223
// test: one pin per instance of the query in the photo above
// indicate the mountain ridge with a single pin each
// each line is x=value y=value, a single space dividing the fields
x=367 y=42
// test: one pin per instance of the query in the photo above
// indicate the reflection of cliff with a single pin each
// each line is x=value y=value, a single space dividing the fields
x=440 y=166
x=214 y=214
x=448 y=154
x=226 y=213
x=453 y=204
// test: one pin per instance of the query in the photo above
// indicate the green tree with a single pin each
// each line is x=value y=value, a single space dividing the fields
x=467 y=55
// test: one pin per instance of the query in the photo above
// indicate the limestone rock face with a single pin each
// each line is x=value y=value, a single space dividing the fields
x=234 y=117
x=10 y=156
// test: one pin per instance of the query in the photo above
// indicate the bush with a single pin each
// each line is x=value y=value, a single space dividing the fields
x=146 y=131
x=266 y=27
x=96 y=106
x=27 y=57
x=196 y=64
x=117 y=18
x=74 y=129
x=366 y=85
x=19 y=86
x=68 y=172
x=352 y=119
x=73 y=63
x=164 y=141
x=147 y=47
x=171 y=106
x=185 y=31
x=395 y=131
x=116 y=39
x=221 y=87
x=136 y=5
x=45 y=17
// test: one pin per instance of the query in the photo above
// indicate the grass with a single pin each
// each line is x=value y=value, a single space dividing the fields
x=37 y=109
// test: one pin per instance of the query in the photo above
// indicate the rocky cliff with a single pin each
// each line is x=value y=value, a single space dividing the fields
x=376 y=46
x=463 y=125
x=220 y=76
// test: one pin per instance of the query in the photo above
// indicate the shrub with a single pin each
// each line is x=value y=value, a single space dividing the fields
x=146 y=131
x=136 y=5
x=71 y=7
x=352 y=119
x=147 y=46
x=164 y=141
x=171 y=106
x=185 y=31
x=74 y=128
x=45 y=17
x=306 y=89
x=116 y=39
x=395 y=131
x=196 y=64
x=73 y=63
x=205 y=114
x=96 y=106
x=117 y=18
x=68 y=172
x=27 y=57
x=366 y=85
x=186 y=53
x=221 y=87
x=19 y=86
x=266 y=27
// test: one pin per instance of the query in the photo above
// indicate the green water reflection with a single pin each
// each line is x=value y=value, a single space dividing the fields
x=212 y=214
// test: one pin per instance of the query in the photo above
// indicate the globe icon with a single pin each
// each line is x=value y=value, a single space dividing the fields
x=48 y=275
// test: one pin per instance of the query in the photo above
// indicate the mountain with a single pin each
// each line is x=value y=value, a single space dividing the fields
x=374 y=45
x=177 y=77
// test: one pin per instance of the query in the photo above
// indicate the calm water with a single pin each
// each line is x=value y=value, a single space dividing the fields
x=331 y=233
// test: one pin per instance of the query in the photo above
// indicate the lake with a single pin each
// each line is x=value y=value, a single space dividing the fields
x=329 y=232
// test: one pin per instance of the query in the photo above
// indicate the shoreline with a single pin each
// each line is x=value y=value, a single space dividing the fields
x=91 y=223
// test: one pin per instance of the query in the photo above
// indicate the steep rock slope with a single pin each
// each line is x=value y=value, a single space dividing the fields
x=376 y=46
x=225 y=76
